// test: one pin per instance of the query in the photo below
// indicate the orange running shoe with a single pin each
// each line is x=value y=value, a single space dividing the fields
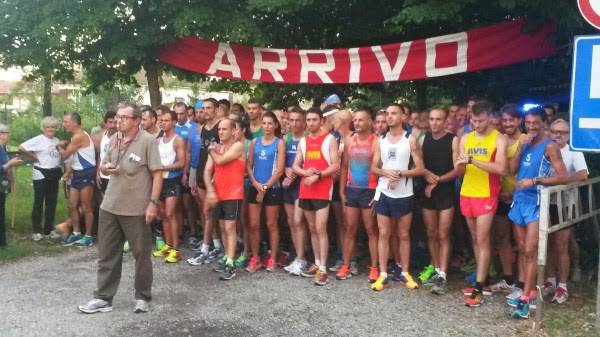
x=254 y=265
x=373 y=274
x=474 y=300
x=343 y=273
x=270 y=265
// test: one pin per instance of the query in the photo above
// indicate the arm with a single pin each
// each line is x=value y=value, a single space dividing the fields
x=279 y=165
x=233 y=153
x=186 y=166
x=152 y=209
x=76 y=143
x=335 y=160
x=250 y=167
x=344 y=170
x=376 y=164
x=451 y=175
x=208 y=173
x=460 y=164
x=561 y=176
x=499 y=164
x=417 y=157
x=297 y=166
x=27 y=153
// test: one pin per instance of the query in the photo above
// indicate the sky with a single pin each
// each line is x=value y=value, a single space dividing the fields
x=11 y=74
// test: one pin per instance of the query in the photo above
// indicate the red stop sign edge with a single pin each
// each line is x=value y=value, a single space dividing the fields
x=588 y=13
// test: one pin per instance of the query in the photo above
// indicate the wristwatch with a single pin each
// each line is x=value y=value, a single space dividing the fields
x=154 y=201
x=265 y=187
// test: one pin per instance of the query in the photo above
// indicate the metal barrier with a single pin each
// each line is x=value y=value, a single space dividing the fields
x=574 y=216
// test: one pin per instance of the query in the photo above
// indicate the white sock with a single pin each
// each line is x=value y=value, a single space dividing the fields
x=323 y=269
x=217 y=243
x=442 y=274
x=383 y=274
x=76 y=233
x=563 y=285
x=438 y=270
x=318 y=262
x=552 y=280
x=204 y=248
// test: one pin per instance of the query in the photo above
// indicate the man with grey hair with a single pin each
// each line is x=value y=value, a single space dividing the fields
x=129 y=204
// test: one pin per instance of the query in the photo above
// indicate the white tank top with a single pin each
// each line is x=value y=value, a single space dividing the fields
x=395 y=157
x=85 y=157
x=104 y=147
x=167 y=154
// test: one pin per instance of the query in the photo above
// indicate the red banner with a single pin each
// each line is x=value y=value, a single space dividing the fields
x=476 y=49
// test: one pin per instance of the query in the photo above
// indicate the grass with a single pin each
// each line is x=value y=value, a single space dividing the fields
x=19 y=240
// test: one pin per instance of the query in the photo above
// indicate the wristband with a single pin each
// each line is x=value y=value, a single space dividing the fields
x=154 y=201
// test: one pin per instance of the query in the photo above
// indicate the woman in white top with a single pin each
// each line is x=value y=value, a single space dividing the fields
x=46 y=175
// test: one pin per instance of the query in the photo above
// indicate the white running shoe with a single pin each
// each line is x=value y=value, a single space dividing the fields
x=560 y=296
x=501 y=286
x=37 y=237
x=96 y=305
x=291 y=265
x=298 y=267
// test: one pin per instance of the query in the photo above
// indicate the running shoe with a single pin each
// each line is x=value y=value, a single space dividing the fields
x=373 y=274
x=160 y=242
x=431 y=280
x=96 y=305
x=486 y=291
x=222 y=260
x=228 y=273
x=471 y=278
x=380 y=283
x=37 y=236
x=198 y=260
x=321 y=278
x=53 y=235
x=71 y=239
x=309 y=271
x=126 y=247
x=408 y=281
x=219 y=267
x=354 y=267
x=548 y=289
x=162 y=251
x=283 y=259
x=254 y=265
x=85 y=241
x=338 y=264
x=501 y=286
x=270 y=265
x=440 y=286
x=241 y=261
x=426 y=273
x=215 y=254
x=474 y=300
x=291 y=265
x=297 y=267
x=173 y=257
x=522 y=310
x=396 y=272
x=560 y=296
x=192 y=242
x=141 y=306
x=514 y=297
x=343 y=273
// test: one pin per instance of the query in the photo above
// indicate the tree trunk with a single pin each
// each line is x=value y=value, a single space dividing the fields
x=115 y=98
x=153 y=83
x=47 y=95
x=421 y=88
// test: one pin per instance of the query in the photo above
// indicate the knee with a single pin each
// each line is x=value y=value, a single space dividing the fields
x=432 y=233
x=531 y=251
x=443 y=238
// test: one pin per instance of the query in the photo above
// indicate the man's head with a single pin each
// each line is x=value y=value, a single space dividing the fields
x=223 y=107
x=210 y=109
x=363 y=120
x=161 y=109
x=559 y=131
x=181 y=113
x=471 y=102
x=395 y=115
x=314 y=120
x=330 y=113
x=254 y=109
x=149 y=119
x=110 y=124
x=511 y=119
x=128 y=117
x=237 y=108
x=437 y=120
x=282 y=117
x=227 y=130
x=413 y=119
x=168 y=120
x=381 y=126
x=480 y=116
x=535 y=119
x=452 y=109
x=550 y=110
x=296 y=120
x=71 y=121
x=461 y=115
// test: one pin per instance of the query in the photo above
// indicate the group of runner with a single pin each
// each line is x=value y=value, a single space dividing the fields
x=235 y=169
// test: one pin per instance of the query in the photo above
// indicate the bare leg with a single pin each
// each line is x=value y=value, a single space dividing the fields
x=272 y=218
x=430 y=217
x=86 y=196
x=502 y=239
x=445 y=223
x=254 y=212
x=352 y=215
x=372 y=233
x=74 y=209
x=384 y=224
x=404 y=240
x=321 y=217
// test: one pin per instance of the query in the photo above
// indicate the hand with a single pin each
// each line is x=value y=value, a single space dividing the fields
x=257 y=186
x=184 y=180
x=16 y=161
x=525 y=183
x=110 y=169
x=429 y=188
x=289 y=173
x=151 y=212
x=286 y=182
x=98 y=180
x=214 y=146
x=431 y=178
x=312 y=171
x=63 y=143
x=343 y=197
x=392 y=175
x=260 y=196
x=310 y=180
x=463 y=159
x=528 y=138
x=194 y=190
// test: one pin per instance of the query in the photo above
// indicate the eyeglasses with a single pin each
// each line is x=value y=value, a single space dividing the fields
x=124 y=117
x=559 y=132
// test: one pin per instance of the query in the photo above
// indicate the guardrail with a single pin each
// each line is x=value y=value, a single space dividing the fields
x=574 y=216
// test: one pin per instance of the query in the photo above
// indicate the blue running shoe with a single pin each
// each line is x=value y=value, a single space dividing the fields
x=71 y=239
x=396 y=272
x=471 y=278
x=522 y=310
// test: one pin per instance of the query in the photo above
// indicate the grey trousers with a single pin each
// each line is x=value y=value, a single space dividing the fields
x=113 y=230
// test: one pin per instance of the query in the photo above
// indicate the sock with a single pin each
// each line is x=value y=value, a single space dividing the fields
x=478 y=286
x=442 y=274
x=76 y=233
x=318 y=262
x=438 y=270
x=217 y=244
x=519 y=285
x=510 y=280
x=562 y=285
x=552 y=280
x=323 y=269
x=383 y=274
x=229 y=262
x=204 y=248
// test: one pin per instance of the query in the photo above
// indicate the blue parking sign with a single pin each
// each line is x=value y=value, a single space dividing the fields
x=585 y=94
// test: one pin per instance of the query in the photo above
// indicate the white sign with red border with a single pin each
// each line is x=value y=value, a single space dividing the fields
x=590 y=9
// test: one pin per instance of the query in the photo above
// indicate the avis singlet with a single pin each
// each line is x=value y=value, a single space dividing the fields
x=478 y=183
x=508 y=182
x=359 y=163
x=315 y=152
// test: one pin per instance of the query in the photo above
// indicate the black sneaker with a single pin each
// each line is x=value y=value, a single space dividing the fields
x=440 y=286
x=228 y=273
x=220 y=268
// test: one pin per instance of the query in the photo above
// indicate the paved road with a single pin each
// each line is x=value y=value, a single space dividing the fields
x=40 y=296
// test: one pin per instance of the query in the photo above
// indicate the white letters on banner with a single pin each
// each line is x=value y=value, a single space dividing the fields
x=271 y=66
x=392 y=73
x=461 y=54
x=217 y=64
x=320 y=69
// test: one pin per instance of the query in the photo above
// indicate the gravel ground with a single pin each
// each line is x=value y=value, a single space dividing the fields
x=40 y=297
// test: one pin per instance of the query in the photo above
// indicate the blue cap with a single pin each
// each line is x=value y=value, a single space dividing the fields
x=332 y=99
x=199 y=104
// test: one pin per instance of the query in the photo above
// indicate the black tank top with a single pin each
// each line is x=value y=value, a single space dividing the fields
x=207 y=136
x=437 y=154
